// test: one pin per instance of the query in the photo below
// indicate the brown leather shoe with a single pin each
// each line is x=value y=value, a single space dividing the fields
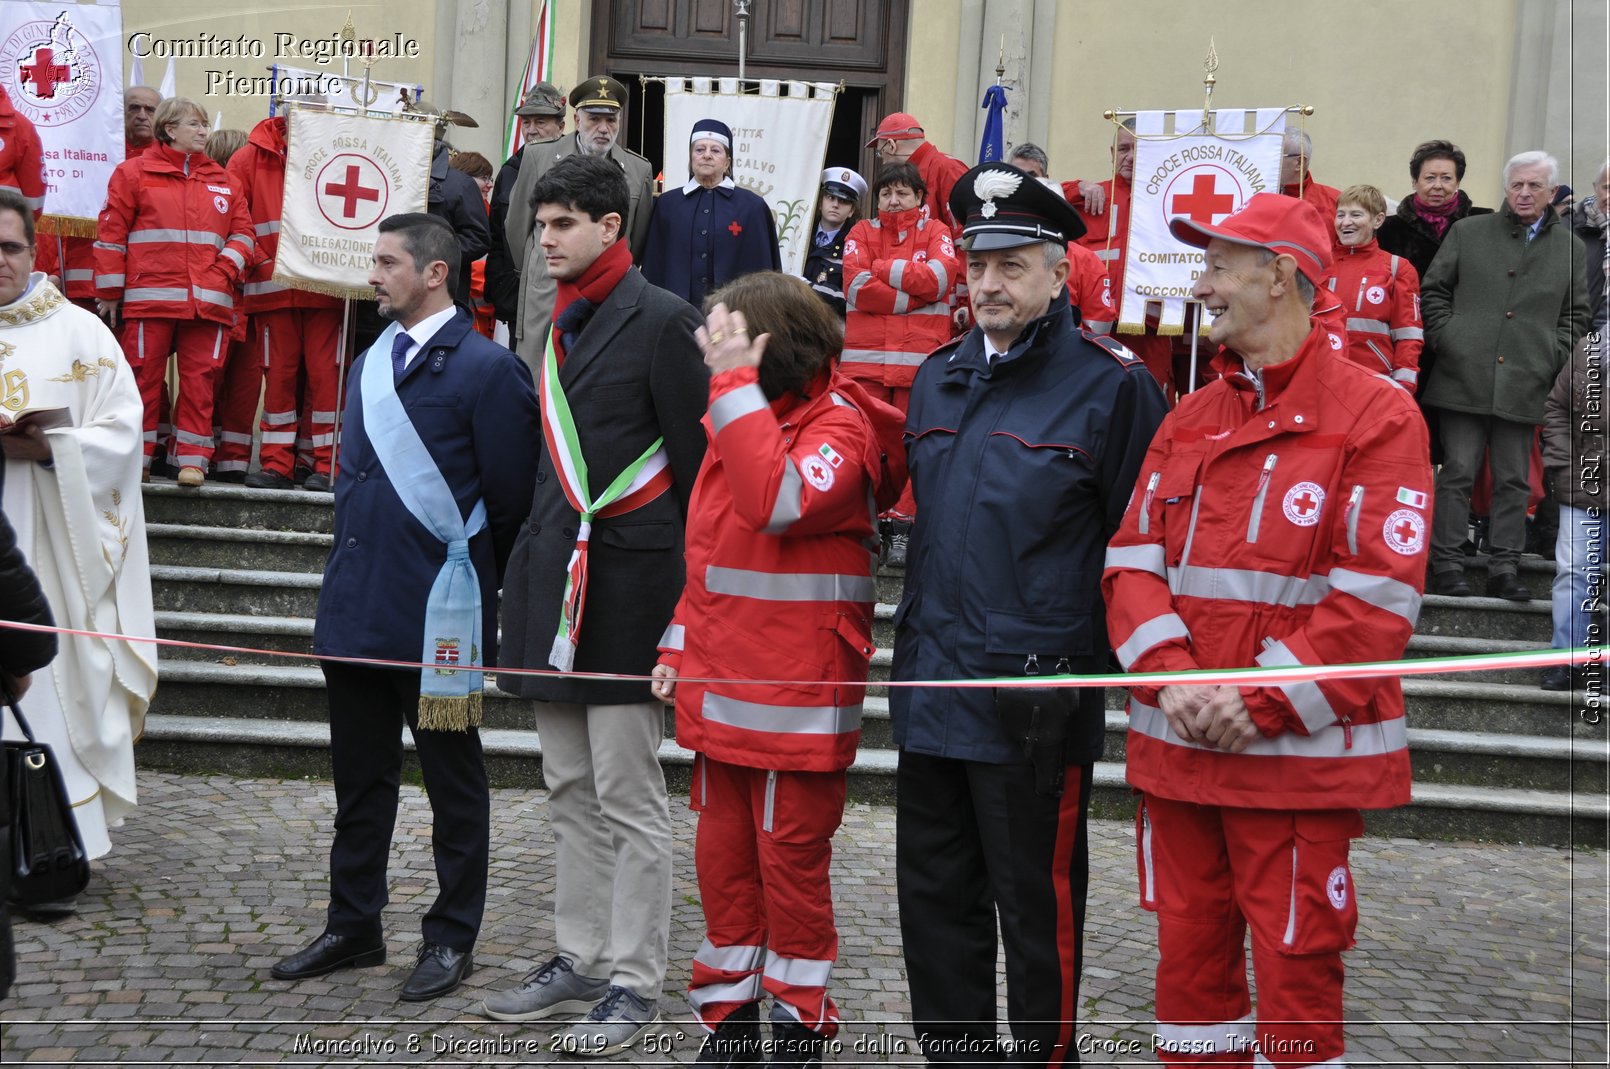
x=191 y=477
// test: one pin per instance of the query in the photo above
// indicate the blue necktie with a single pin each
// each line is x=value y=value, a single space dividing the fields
x=399 y=352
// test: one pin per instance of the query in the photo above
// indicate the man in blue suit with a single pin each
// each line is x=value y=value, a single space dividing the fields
x=437 y=467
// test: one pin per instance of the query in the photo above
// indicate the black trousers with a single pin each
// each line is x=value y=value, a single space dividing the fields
x=974 y=841
x=368 y=707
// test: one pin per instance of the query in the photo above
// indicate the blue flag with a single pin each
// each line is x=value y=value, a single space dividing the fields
x=991 y=149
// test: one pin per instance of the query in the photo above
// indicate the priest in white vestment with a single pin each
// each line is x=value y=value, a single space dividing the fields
x=70 y=423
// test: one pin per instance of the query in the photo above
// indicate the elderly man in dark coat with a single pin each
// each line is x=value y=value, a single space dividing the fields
x=437 y=463
x=710 y=231
x=595 y=576
x=1504 y=302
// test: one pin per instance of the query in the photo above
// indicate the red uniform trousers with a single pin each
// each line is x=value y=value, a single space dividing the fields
x=871 y=380
x=200 y=346
x=1209 y=873
x=762 y=853
x=298 y=345
x=235 y=407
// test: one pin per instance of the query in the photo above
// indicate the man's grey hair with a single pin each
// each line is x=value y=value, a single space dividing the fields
x=1535 y=158
x=1305 y=288
x=1299 y=139
x=1604 y=169
x=1028 y=150
x=1055 y=253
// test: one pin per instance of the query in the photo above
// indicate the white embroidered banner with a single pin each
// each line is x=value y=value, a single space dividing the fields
x=343 y=174
x=1188 y=171
x=61 y=66
x=779 y=144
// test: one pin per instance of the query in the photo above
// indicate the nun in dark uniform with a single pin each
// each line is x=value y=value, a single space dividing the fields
x=836 y=213
x=710 y=231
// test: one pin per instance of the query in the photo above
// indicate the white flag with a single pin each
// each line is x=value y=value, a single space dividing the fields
x=1200 y=176
x=777 y=151
x=343 y=174
x=61 y=67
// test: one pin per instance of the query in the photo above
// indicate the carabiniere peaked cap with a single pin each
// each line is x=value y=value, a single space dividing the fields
x=1002 y=207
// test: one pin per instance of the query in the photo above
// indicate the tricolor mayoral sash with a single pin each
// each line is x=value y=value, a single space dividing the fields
x=640 y=482
x=450 y=687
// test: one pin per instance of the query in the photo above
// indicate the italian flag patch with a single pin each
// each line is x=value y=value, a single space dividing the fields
x=830 y=455
x=1415 y=499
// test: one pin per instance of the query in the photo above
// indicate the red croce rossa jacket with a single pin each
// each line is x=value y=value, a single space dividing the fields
x=781 y=537
x=899 y=271
x=1280 y=519
x=174 y=238
x=1380 y=298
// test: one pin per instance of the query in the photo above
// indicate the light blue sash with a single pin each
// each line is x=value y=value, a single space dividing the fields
x=450 y=691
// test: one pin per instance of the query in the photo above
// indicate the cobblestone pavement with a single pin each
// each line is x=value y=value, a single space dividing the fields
x=1468 y=955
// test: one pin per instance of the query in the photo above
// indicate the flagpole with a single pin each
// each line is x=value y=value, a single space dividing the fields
x=743 y=38
x=1210 y=67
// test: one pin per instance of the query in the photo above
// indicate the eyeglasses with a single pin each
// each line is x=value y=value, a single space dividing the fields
x=14 y=248
x=194 y=124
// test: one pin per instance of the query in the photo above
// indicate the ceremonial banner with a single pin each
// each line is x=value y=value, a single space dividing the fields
x=779 y=143
x=61 y=66
x=343 y=174
x=537 y=67
x=1189 y=171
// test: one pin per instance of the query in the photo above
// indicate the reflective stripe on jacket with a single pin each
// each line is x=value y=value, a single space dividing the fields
x=780 y=565
x=1280 y=519
x=174 y=238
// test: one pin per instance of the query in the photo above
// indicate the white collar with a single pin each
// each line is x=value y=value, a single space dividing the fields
x=692 y=186
x=426 y=328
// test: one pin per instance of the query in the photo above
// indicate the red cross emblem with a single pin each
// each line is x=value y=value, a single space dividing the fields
x=1203 y=204
x=735 y=228
x=1302 y=503
x=352 y=191
x=1404 y=532
x=43 y=73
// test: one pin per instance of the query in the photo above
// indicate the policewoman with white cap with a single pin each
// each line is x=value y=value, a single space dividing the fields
x=836 y=213
x=710 y=231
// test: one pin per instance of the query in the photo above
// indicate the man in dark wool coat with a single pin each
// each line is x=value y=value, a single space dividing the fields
x=595 y=576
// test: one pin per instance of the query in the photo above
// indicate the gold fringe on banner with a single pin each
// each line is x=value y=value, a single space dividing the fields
x=1132 y=328
x=1170 y=330
x=329 y=289
x=450 y=714
x=68 y=226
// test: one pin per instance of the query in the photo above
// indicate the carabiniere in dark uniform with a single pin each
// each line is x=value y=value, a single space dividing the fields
x=1022 y=463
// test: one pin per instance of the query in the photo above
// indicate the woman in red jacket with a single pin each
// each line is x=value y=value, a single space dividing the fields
x=779 y=587
x=173 y=241
x=900 y=271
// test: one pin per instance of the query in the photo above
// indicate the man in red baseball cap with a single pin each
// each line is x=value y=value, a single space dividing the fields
x=899 y=138
x=1281 y=520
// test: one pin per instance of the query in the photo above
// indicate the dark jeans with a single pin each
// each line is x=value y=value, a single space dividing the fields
x=1508 y=447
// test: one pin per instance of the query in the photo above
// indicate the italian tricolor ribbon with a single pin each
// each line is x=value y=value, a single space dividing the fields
x=640 y=482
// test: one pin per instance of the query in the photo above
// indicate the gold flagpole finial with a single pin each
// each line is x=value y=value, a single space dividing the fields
x=1210 y=66
x=349 y=32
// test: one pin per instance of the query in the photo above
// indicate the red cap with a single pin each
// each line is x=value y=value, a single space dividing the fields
x=1283 y=225
x=897 y=126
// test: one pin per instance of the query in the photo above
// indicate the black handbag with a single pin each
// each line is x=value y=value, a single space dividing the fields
x=47 y=862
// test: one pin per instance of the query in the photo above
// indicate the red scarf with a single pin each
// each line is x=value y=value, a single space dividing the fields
x=594 y=286
x=1437 y=217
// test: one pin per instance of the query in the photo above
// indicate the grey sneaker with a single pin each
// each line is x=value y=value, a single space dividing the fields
x=552 y=989
x=614 y=1024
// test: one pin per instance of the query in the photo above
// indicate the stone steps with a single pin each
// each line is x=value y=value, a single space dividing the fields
x=255 y=748
x=1494 y=756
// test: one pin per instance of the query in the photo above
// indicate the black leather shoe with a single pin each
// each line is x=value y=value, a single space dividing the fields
x=1556 y=677
x=318 y=482
x=268 y=480
x=236 y=477
x=1450 y=584
x=1508 y=585
x=736 y=1042
x=440 y=970
x=331 y=952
